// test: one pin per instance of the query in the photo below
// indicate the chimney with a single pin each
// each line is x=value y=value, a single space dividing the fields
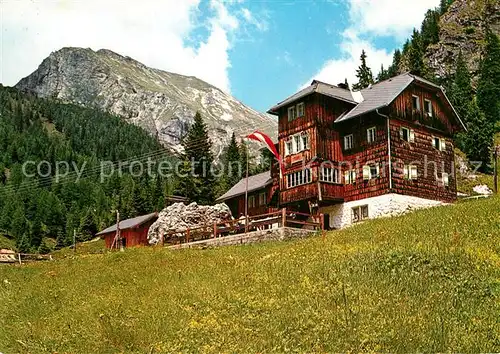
x=343 y=85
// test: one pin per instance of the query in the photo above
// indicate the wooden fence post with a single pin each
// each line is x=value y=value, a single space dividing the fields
x=322 y=224
x=187 y=235
x=215 y=230
x=283 y=217
x=19 y=256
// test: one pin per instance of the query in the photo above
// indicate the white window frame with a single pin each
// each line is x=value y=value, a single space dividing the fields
x=360 y=212
x=428 y=104
x=348 y=142
x=350 y=177
x=262 y=198
x=329 y=174
x=441 y=143
x=251 y=201
x=288 y=146
x=418 y=102
x=445 y=179
x=410 y=172
x=300 y=110
x=298 y=178
x=305 y=140
x=410 y=134
x=292 y=113
x=368 y=173
x=371 y=134
x=296 y=143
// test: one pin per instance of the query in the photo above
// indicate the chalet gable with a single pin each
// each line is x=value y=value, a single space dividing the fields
x=371 y=99
x=383 y=94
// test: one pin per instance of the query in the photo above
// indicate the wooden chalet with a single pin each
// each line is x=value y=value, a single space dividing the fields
x=357 y=155
x=259 y=195
x=133 y=232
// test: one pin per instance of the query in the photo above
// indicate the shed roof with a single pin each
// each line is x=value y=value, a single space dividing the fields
x=129 y=223
x=256 y=182
x=319 y=87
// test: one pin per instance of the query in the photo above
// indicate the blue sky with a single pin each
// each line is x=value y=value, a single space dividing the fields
x=259 y=51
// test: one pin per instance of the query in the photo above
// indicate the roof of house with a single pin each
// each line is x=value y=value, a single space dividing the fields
x=256 y=182
x=377 y=96
x=382 y=94
x=129 y=223
x=319 y=87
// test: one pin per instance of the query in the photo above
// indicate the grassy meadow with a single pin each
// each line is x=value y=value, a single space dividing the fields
x=424 y=282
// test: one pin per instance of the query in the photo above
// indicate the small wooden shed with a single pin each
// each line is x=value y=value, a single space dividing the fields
x=134 y=232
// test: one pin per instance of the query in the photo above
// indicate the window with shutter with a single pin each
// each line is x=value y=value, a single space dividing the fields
x=428 y=107
x=371 y=134
x=291 y=113
x=404 y=133
x=366 y=172
x=348 y=142
x=445 y=179
x=415 y=103
x=300 y=110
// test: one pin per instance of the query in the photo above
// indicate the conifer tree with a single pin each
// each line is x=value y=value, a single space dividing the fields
x=416 y=54
x=383 y=74
x=363 y=73
x=394 y=68
x=430 y=28
x=488 y=89
x=479 y=138
x=233 y=169
x=197 y=152
x=461 y=92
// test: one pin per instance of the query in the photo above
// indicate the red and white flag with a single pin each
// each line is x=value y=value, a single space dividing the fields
x=265 y=139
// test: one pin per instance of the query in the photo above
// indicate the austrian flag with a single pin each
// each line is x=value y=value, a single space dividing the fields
x=265 y=139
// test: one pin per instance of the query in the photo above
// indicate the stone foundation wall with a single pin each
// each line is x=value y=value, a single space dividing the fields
x=384 y=205
x=280 y=234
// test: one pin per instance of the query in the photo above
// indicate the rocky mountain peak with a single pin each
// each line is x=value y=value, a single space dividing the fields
x=161 y=102
x=462 y=28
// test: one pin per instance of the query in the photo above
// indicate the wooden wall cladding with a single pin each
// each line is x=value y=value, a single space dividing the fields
x=428 y=160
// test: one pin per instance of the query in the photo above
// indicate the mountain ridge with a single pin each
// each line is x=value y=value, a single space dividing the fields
x=159 y=101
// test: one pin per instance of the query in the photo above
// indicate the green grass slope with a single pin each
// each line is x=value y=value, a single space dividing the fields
x=425 y=282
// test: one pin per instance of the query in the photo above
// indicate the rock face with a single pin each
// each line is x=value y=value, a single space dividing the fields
x=463 y=27
x=178 y=217
x=163 y=103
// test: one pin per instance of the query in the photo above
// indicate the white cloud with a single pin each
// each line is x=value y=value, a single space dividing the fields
x=369 y=19
x=336 y=71
x=153 y=32
x=260 y=23
x=388 y=17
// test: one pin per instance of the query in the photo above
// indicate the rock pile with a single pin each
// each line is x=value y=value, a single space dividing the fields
x=178 y=217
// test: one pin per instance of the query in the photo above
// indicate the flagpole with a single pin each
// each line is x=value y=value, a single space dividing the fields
x=246 y=192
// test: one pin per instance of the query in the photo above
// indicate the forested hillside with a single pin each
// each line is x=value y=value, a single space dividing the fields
x=33 y=209
x=457 y=46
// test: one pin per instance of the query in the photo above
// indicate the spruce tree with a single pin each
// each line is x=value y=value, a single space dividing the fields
x=383 y=74
x=394 y=68
x=234 y=170
x=416 y=54
x=479 y=138
x=363 y=73
x=430 y=28
x=197 y=152
x=488 y=89
x=461 y=92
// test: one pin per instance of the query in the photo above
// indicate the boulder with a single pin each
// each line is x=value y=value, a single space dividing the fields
x=482 y=189
x=178 y=217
